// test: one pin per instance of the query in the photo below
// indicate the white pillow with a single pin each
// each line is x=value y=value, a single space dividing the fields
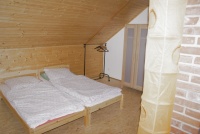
x=20 y=82
x=58 y=73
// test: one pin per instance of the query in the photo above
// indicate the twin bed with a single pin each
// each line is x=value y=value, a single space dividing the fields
x=56 y=98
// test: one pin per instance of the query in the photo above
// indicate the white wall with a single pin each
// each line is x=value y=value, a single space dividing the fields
x=114 y=57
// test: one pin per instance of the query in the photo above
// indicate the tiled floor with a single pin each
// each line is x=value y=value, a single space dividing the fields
x=109 y=120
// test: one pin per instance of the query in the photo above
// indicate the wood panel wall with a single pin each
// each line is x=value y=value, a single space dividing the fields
x=94 y=61
x=33 y=58
x=32 y=23
x=37 y=33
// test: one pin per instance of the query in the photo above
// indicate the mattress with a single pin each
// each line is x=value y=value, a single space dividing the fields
x=40 y=103
x=89 y=91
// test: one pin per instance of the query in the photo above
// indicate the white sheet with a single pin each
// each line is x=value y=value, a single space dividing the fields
x=89 y=91
x=42 y=102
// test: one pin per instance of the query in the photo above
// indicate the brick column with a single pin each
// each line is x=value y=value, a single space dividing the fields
x=186 y=112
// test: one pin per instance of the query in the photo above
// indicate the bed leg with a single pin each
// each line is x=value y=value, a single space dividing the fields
x=122 y=102
x=87 y=117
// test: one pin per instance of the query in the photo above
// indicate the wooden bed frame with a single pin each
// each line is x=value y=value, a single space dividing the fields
x=99 y=106
x=46 y=126
x=96 y=107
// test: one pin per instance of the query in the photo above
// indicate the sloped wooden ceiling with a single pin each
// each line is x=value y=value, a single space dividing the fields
x=32 y=23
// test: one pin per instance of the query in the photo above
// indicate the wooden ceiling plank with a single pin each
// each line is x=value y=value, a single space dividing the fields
x=60 y=22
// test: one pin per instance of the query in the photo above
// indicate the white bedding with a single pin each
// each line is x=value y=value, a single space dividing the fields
x=89 y=91
x=40 y=103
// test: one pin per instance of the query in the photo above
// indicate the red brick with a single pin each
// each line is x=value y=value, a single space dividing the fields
x=188 y=40
x=191 y=30
x=177 y=131
x=190 y=129
x=193 y=2
x=192 y=113
x=195 y=79
x=187 y=103
x=197 y=60
x=193 y=11
x=178 y=108
x=176 y=123
x=185 y=59
x=183 y=77
x=194 y=96
x=185 y=119
x=190 y=50
x=188 y=86
x=189 y=69
x=181 y=93
x=191 y=20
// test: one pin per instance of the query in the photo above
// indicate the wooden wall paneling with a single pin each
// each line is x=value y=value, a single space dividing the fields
x=94 y=61
x=33 y=58
x=37 y=33
x=52 y=23
x=63 y=23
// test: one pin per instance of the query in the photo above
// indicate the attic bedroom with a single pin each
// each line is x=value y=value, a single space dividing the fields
x=93 y=46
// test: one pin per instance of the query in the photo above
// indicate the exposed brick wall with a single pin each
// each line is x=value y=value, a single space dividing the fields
x=186 y=113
